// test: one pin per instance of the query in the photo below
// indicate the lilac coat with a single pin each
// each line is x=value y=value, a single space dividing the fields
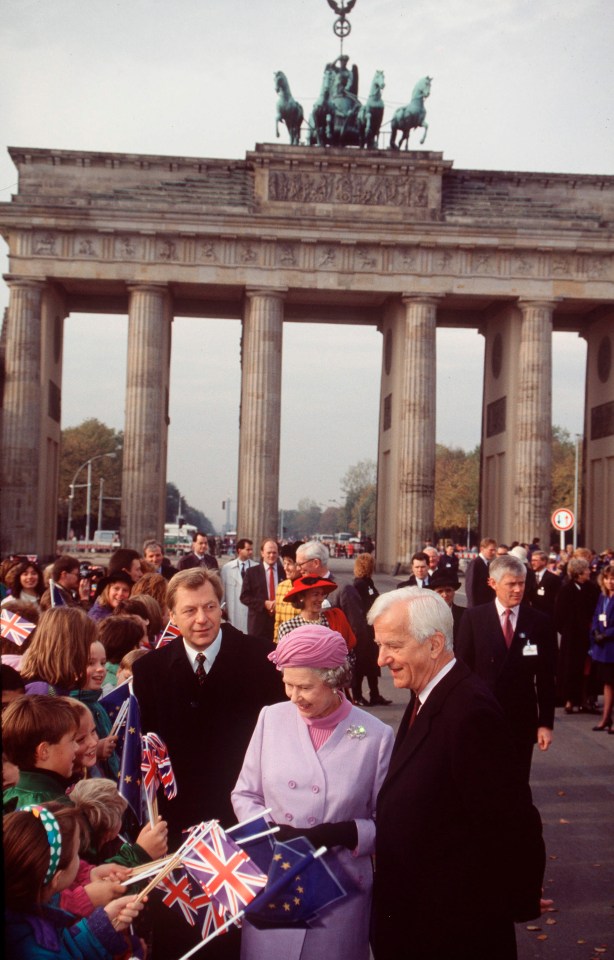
x=302 y=786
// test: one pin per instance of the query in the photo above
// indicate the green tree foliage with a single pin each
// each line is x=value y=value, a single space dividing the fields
x=359 y=487
x=190 y=514
x=563 y=469
x=78 y=445
x=457 y=486
x=84 y=442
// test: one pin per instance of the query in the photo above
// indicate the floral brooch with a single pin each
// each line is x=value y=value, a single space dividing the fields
x=356 y=732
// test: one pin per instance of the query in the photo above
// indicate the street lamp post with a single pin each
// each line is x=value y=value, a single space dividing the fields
x=88 y=464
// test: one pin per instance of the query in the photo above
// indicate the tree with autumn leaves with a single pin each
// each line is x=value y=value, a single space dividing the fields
x=89 y=440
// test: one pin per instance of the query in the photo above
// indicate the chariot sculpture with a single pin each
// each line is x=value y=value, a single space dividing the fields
x=338 y=118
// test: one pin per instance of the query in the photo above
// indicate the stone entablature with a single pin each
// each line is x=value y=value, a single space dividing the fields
x=317 y=214
x=445 y=260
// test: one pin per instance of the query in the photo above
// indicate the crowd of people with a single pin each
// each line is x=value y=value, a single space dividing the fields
x=252 y=678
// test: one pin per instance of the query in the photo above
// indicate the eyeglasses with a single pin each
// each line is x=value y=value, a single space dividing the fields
x=302 y=563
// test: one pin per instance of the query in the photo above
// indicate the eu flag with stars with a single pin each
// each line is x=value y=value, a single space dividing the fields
x=294 y=896
x=130 y=770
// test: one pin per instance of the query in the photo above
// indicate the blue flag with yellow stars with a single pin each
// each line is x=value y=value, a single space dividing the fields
x=113 y=701
x=294 y=898
x=130 y=770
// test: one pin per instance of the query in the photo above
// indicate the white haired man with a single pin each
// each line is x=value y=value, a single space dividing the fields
x=513 y=649
x=457 y=833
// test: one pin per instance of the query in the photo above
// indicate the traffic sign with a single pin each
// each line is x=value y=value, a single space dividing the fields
x=563 y=519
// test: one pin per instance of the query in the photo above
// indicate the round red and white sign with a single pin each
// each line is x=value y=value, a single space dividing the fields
x=563 y=519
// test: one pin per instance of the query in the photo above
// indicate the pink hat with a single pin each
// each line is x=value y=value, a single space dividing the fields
x=310 y=646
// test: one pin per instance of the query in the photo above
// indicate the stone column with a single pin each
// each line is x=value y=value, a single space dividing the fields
x=261 y=346
x=21 y=414
x=417 y=427
x=146 y=430
x=533 y=418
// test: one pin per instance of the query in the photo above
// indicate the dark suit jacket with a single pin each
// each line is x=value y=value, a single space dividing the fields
x=523 y=685
x=476 y=584
x=206 y=728
x=254 y=592
x=545 y=602
x=191 y=560
x=459 y=852
x=412 y=582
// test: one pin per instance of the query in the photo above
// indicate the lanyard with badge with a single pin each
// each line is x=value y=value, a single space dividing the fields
x=528 y=649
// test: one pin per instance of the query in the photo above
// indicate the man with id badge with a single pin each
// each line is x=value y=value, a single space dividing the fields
x=512 y=647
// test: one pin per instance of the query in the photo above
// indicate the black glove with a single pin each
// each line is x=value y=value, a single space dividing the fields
x=342 y=834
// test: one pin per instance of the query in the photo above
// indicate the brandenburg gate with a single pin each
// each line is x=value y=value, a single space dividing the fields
x=398 y=240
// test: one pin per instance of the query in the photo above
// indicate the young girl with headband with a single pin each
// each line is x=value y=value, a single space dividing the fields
x=41 y=858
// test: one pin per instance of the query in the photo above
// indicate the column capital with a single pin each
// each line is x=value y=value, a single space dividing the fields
x=425 y=299
x=279 y=293
x=526 y=303
x=13 y=280
x=147 y=286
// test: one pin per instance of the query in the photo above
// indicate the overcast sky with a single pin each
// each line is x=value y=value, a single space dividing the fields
x=518 y=85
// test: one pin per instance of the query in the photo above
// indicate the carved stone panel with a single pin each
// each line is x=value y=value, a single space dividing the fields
x=496 y=417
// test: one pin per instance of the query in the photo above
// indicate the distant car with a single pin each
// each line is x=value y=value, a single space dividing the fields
x=105 y=541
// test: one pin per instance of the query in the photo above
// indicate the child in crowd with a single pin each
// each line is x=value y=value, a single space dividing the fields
x=89 y=693
x=13 y=686
x=148 y=609
x=56 y=660
x=39 y=737
x=84 y=765
x=125 y=668
x=119 y=634
x=103 y=809
x=41 y=859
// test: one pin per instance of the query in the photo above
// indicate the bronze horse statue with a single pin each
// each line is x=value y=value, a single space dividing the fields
x=413 y=115
x=289 y=111
x=334 y=118
x=371 y=113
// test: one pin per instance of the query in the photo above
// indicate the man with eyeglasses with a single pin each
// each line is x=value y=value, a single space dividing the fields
x=312 y=560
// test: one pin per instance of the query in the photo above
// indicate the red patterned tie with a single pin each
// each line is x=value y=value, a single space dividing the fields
x=271 y=584
x=508 y=630
x=201 y=673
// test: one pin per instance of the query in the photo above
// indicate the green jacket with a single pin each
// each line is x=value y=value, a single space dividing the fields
x=35 y=786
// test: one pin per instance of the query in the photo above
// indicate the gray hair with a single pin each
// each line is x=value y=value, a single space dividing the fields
x=427 y=613
x=507 y=565
x=576 y=566
x=314 y=550
x=149 y=544
x=335 y=677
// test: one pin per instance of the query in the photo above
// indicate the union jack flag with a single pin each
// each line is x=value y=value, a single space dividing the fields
x=195 y=909
x=169 y=633
x=178 y=893
x=156 y=766
x=15 y=628
x=223 y=870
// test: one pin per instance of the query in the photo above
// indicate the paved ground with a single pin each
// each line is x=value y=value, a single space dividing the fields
x=573 y=788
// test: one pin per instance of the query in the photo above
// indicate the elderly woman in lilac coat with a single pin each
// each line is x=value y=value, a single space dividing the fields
x=317 y=762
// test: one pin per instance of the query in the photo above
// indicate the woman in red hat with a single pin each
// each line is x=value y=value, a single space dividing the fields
x=308 y=595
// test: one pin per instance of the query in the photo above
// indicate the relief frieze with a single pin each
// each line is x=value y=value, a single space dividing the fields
x=208 y=252
x=127 y=247
x=424 y=259
x=44 y=244
x=167 y=250
x=86 y=247
x=355 y=188
x=287 y=255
